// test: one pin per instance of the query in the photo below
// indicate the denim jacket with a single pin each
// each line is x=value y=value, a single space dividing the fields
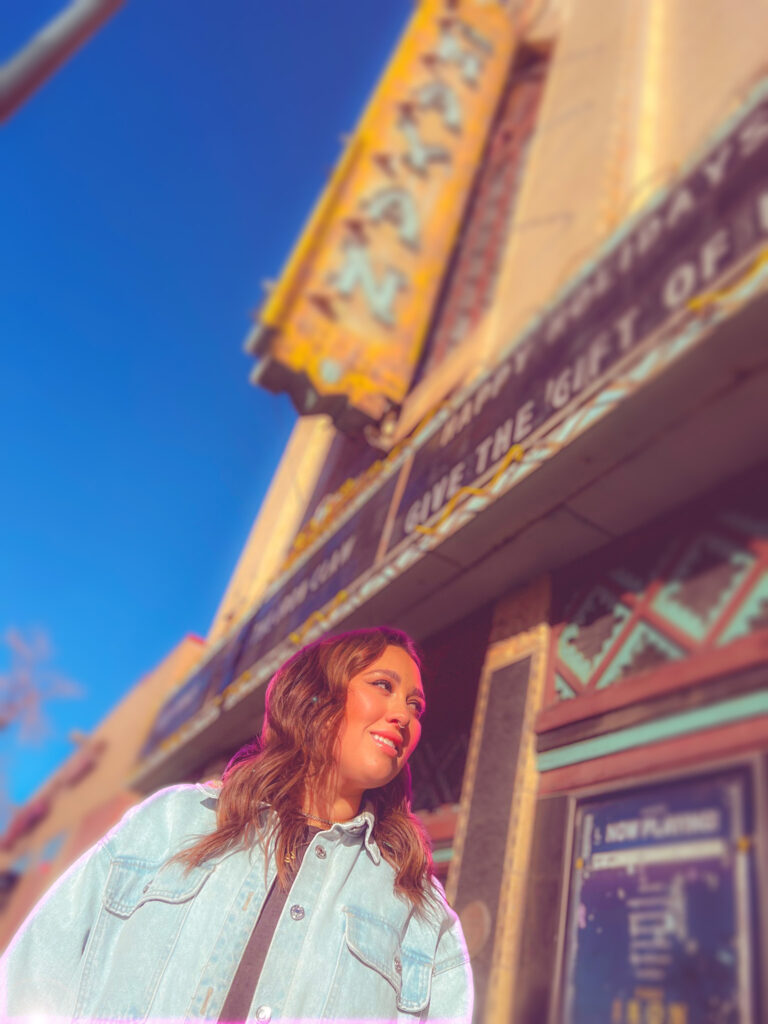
x=125 y=936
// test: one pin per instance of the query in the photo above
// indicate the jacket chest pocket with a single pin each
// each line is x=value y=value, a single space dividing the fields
x=144 y=909
x=132 y=884
x=375 y=944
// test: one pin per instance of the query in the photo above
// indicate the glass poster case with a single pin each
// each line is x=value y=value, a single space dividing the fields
x=662 y=909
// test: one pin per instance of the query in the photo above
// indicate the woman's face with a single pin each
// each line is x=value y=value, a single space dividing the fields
x=381 y=724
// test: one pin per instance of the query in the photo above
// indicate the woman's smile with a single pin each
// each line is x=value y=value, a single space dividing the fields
x=391 y=744
x=381 y=724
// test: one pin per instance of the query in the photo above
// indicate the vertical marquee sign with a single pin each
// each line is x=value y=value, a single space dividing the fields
x=343 y=328
x=662 y=901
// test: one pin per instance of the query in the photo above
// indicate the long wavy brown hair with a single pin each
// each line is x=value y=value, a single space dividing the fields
x=305 y=705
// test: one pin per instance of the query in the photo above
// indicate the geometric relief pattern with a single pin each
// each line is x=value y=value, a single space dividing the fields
x=596 y=624
x=707 y=574
x=696 y=583
x=751 y=615
x=645 y=648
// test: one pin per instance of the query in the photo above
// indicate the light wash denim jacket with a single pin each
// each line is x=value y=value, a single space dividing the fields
x=124 y=936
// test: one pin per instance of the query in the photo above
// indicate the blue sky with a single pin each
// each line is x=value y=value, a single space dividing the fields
x=147 y=191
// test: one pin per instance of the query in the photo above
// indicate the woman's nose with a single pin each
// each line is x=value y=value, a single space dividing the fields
x=399 y=715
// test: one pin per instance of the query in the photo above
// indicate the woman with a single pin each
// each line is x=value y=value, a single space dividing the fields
x=298 y=889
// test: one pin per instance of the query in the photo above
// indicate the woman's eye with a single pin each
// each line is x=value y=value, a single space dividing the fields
x=385 y=683
x=418 y=708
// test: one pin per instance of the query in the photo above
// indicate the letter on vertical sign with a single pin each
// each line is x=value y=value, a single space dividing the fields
x=420 y=153
x=395 y=205
x=450 y=49
x=441 y=97
x=356 y=271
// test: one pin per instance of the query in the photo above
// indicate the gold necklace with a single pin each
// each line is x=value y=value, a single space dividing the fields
x=324 y=821
x=291 y=857
x=316 y=817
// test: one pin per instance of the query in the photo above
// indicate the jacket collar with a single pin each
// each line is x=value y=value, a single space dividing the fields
x=361 y=825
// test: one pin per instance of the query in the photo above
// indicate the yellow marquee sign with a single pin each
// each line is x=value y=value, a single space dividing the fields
x=343 y=328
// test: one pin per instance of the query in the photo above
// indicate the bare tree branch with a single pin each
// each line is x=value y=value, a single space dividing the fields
x=30 y=683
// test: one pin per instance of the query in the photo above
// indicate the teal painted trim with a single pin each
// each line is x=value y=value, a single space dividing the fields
x=442 y=856
x=742 y=622
x=564 y=691
x=686 y=722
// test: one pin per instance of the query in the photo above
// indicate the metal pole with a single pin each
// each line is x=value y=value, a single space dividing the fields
x=46 y=51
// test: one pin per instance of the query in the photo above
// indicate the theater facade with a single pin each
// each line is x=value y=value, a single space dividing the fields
x=525 y=329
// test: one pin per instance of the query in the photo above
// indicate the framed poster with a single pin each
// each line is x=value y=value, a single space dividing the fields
x=662 y=906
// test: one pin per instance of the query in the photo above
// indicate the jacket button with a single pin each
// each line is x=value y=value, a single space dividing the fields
x=264 y=1013
x=320 y=852
x=398 y=966
x=297 y=912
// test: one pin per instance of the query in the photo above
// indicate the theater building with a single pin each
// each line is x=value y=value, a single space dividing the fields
x=525 y=331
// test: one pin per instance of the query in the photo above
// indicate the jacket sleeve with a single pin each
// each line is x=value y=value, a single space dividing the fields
x=453 y=993
x=40 y=968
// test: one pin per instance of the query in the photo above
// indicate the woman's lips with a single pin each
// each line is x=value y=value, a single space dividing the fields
x=386 y=744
